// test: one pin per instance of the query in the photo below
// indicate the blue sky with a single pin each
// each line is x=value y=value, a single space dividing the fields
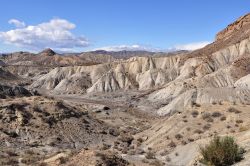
x=112 y=24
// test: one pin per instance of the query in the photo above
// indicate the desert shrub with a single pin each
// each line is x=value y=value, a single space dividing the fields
x=232 y=131
x=10 y=161
x=105 y=146
x=164 y=153
x=198 y=105
x=198 y=131
x=239 y=121
x=37 y=109
x=126 y=138
x=110 y=160
x=206 y=126
x=178 y=136
x=221 y=152
x=131 y=152
x=190 y=139
x=172 y=144
x=150 y=155
x=243 y=128
x=232 y=109
x=140 y=140
x=210 y=120
x=195 y=113
x=145 y=161
x=223 y=118
x=216 y=114
x=206 y=115
x=214 y=103
x=11 y=153
x=115 y=132
x=183 y=142
x=168 y=159
x=156 y=163
x=43 y=164
x=106 y=108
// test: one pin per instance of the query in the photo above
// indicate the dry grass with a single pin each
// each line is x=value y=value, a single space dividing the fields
x=243 y=128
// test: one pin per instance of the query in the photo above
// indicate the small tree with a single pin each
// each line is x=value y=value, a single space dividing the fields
x=221 y=152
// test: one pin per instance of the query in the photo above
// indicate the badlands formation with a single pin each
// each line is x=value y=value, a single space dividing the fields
x=125 y=108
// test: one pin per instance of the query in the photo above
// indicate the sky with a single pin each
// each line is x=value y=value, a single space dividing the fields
x=84 y=25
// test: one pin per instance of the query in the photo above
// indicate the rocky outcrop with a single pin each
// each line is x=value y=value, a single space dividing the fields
x=203 y=76
x=243 y=82
x=15 y=91
x=143 y=73
x=232 y=28
x=47 y=52
x=2 y=63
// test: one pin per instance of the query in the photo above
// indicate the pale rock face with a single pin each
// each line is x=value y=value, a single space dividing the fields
x=180 y=79
x=243 y=82
x=205 y=96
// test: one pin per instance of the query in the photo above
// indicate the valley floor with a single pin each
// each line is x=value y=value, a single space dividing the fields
x=119 y=127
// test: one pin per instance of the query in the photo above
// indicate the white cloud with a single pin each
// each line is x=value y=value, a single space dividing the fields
x=17 y=23
x=134 y=47
x=191 y=46
x=55 y=34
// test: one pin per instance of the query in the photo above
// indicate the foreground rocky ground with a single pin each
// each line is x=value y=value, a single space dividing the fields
x=101 y=108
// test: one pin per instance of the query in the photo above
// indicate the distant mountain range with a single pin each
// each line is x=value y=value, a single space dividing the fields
x=48 y=57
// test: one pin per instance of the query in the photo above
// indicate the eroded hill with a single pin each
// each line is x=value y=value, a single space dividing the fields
x=145 y=110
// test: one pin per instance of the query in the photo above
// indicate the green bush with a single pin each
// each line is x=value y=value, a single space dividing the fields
x=221 y=152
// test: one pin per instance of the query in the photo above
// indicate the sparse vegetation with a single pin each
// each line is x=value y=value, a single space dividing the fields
x=206 y=115
x=221 y=152
x=110 y=160
x=216 y=114
x=214 y=103
x=232 y=109
x=207 y=127
x=168 y=159
x=63 y=160
x=190 y=139
x=145 y=161
x=243 y=128
x=239 y=121
x=223 y=118
x=210 y=120
x=172 y=144
x=150 y=155
x=198 y=131
x=195 y=113
x=178 y=136
x=156 y=163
